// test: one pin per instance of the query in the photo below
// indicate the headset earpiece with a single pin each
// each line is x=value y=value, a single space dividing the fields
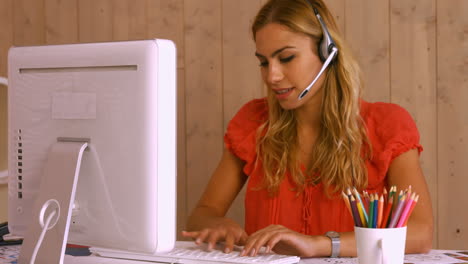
x=327 y=51
x=326 y=44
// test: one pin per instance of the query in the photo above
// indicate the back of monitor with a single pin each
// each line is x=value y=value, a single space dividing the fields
x=122 y=97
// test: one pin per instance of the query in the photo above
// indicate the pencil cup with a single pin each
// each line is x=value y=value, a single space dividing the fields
x=380 y=245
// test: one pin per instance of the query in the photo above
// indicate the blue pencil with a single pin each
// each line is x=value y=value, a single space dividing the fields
x=376 y=210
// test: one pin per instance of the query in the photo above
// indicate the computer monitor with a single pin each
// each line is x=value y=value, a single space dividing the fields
x=116 y=99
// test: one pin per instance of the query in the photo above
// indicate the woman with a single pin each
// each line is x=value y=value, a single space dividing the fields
x=299 y=150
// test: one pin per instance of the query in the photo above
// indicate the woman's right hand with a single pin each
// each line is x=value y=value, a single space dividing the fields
x=219 y=230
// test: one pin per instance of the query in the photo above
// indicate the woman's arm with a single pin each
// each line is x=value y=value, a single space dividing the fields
x=207 y=222
x=403 y=172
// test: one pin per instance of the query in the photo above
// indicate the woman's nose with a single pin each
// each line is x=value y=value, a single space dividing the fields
x=274 y=74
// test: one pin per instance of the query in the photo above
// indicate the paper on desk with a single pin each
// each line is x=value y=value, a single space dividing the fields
x=433 y=257
x=437 y=256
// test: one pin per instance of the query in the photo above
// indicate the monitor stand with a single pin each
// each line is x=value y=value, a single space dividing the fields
x=56 y=195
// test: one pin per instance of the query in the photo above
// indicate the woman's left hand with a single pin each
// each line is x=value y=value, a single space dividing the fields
x=280 y=240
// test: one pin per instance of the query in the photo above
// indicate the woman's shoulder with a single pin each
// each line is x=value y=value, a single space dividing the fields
x=389 y=124
x=385 y=115
x=257 y=106
x=241 y=131
x=251 y=115
x=379 y=110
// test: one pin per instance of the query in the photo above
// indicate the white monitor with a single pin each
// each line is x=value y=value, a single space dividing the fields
x=120 y=99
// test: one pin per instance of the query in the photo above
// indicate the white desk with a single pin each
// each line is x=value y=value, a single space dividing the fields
x=9 y=254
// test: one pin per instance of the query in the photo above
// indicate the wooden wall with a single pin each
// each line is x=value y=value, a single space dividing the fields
x=413 y=53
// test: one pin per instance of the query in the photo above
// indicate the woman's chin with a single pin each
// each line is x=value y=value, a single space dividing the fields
x=288 y=105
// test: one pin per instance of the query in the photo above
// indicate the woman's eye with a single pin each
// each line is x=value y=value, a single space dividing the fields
x=287 y=59
x=263 y=63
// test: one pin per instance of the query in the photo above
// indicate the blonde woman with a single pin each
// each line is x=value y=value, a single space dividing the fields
x=306 y=142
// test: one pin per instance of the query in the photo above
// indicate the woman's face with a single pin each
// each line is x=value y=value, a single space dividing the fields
x=288 y=63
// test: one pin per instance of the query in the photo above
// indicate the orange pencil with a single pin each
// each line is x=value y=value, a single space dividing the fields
x=346 y=200
x=388 y=208
x=380 y=212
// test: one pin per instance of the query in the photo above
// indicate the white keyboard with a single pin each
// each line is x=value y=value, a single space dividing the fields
x=188 y=253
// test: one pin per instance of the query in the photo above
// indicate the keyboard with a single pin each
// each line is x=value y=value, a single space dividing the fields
x=189 y=253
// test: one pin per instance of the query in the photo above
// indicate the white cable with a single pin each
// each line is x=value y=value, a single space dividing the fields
x=3 y=174
x=4 y=81
x=41 y=237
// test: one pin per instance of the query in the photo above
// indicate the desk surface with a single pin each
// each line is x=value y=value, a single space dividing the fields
x=9 y=254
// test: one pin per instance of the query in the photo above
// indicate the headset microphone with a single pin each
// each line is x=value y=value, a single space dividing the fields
x=327 y=51
x=325 y=65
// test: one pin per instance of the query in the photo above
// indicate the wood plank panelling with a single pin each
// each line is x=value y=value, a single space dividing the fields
x=95 y=20
x=452 y=121
x=6 y=33
x=129 y=19
x=337 y=8
x=413 y=53
x=367 y=32
x=241 y=75
x=165 y=20
x=413 y=76
x=203 y=90
x=29 y=22
x=61 y=20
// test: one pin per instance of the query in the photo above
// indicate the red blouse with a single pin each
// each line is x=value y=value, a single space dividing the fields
x=391 y=131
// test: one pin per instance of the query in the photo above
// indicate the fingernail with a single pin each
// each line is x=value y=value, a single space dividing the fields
x=267 y=249
x=242 y=253
x=252 y=253
x=197 y=241
x=227 y=250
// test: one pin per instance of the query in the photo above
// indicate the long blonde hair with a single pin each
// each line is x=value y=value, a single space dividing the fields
x=338 y=156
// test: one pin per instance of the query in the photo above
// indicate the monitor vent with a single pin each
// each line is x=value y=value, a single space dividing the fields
x=19 y=162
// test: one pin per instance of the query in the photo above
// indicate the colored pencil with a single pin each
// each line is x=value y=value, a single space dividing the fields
x=357 y=221
x=358 y=197
x=411 y=209
x=380 y=213
x=385 y=194
x=366 y=200
x=396 y=201
x=346 y=200
x=371 y=213
x=361 y=213
x=406 y=209
x=376 y=210
x=387 y=211
x=397 y=213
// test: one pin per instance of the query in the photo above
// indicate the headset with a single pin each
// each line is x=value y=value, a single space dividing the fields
x=327 y=50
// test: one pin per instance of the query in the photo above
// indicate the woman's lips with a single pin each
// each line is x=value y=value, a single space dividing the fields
x=283 y=93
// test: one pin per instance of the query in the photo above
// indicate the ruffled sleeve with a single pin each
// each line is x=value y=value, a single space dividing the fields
x=240 y=136
x=392 y=131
